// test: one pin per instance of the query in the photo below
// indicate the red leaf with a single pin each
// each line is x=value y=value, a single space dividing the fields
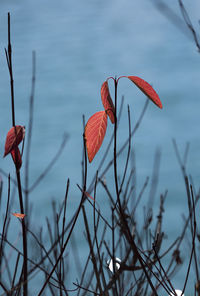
x=14 y=137
x=18 y=215
x=147 y=89
x=88 y=195
x=107 y=101
x=95 y=130
x=16 y=156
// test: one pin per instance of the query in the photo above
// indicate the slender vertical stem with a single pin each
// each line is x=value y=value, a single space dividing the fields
x=128 y=154
x=9 y=62
x=25 y=266
x=113 y=251
x=121 y=212
x=115 y=147
x=11 y=74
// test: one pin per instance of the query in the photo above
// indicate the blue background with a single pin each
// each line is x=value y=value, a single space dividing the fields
x=78 y=45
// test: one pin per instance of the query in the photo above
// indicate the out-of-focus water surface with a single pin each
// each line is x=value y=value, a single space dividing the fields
x=78 y=45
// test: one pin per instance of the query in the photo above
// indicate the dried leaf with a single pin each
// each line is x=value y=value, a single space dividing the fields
x=18 y=215
x=14 y=138
x=16 y=156
x=95 y=130
x=147 y=89
x=88 y=195
x=107 y=101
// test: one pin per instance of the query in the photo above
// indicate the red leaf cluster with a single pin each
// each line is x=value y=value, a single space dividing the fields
x=95 y=128
x=13 y=139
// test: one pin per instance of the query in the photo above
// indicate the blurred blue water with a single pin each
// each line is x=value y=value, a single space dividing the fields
x=78 y=45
